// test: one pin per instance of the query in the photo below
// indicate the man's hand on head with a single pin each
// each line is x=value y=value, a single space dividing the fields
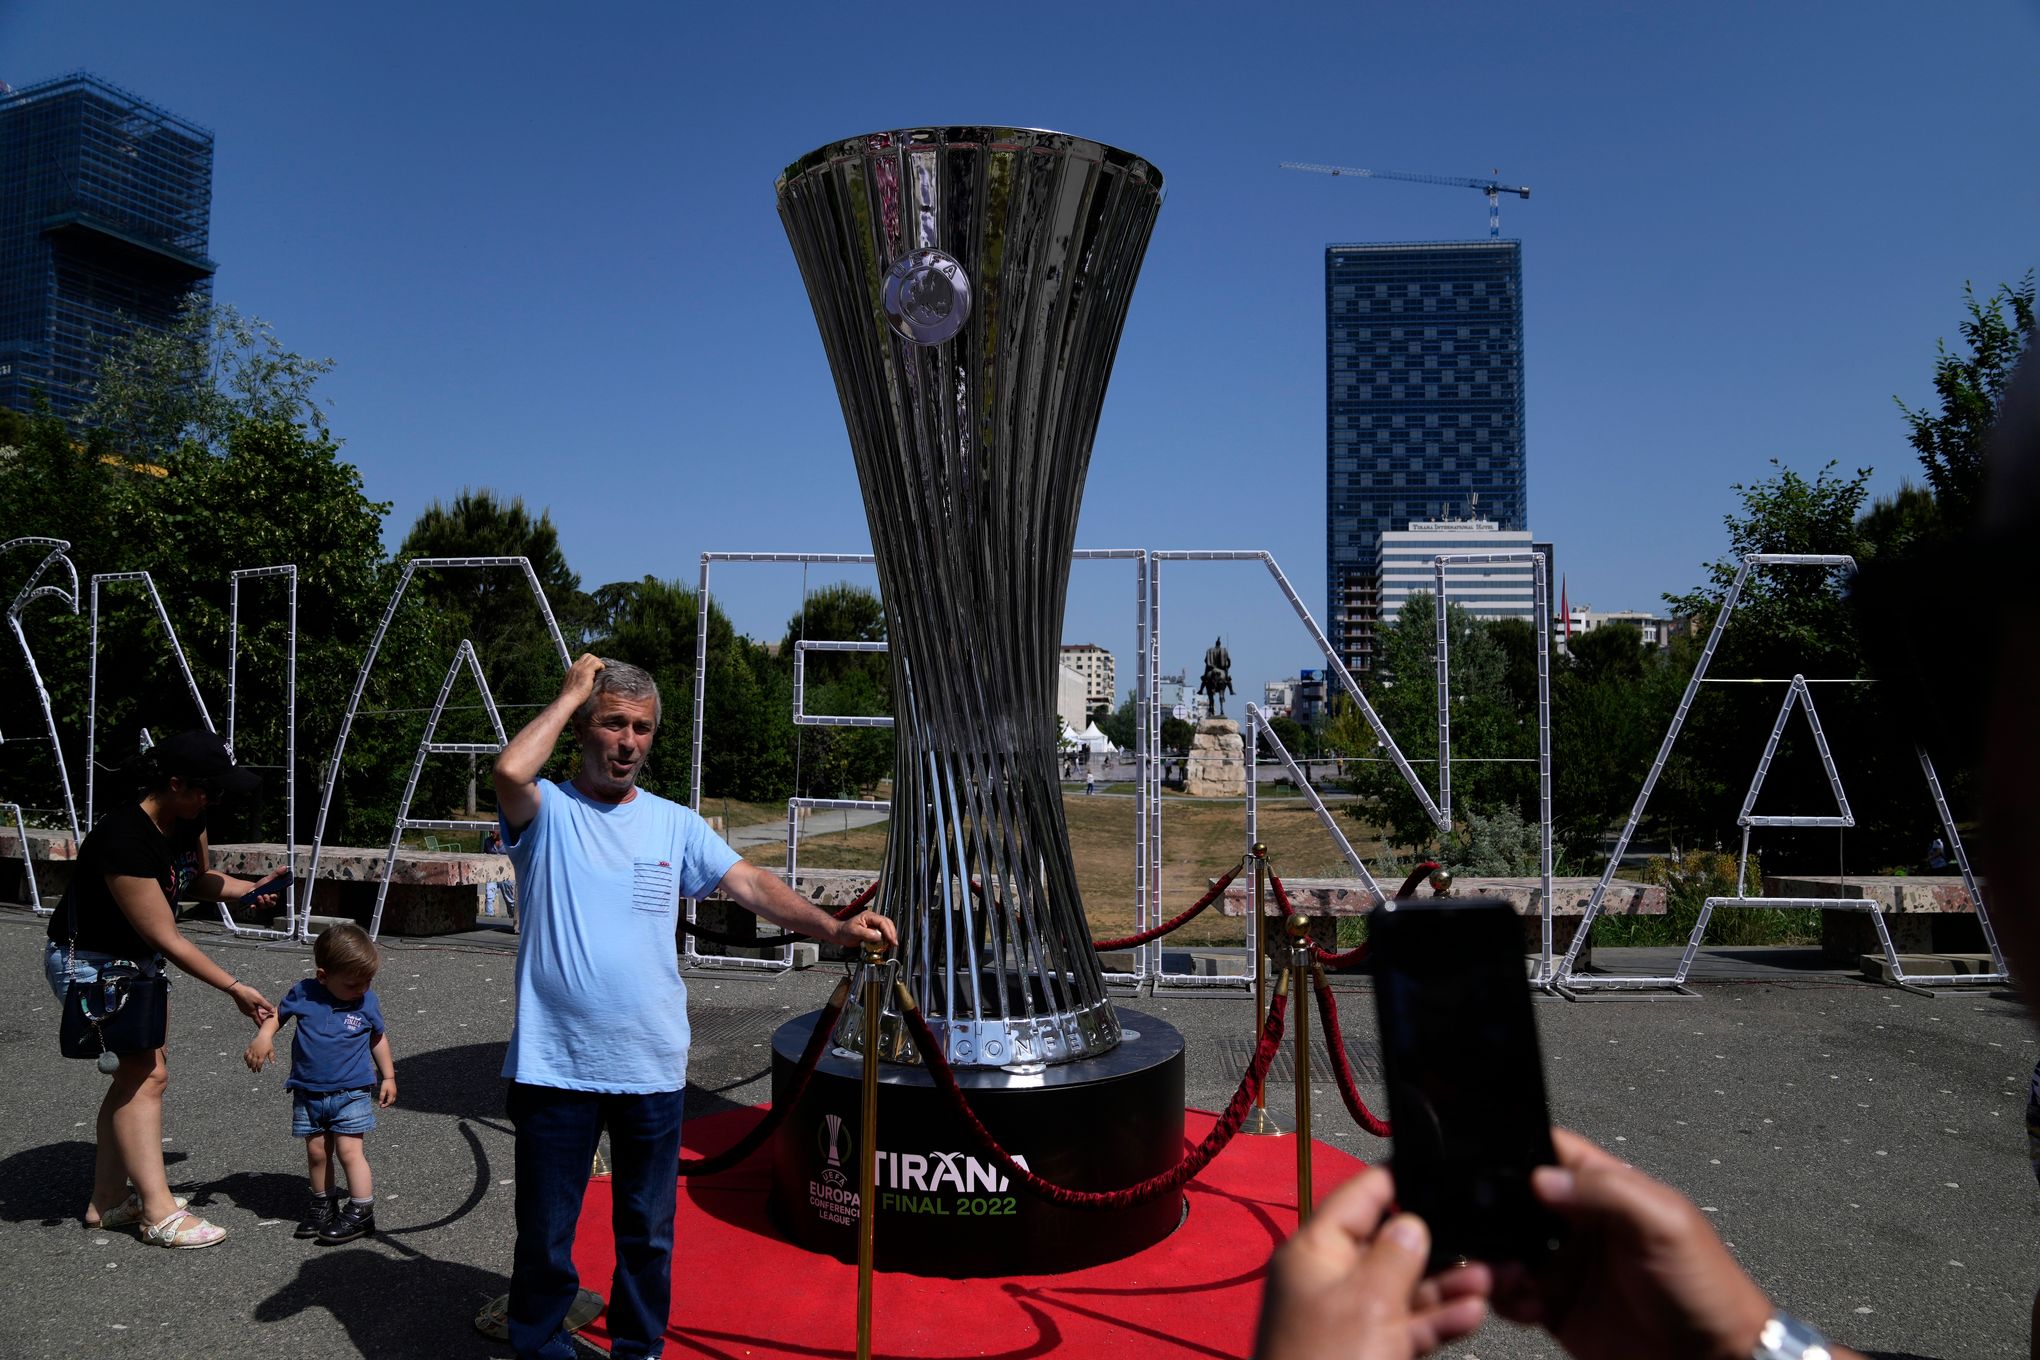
x=580 y=681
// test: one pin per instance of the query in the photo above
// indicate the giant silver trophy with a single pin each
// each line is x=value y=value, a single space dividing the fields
x=970 y=284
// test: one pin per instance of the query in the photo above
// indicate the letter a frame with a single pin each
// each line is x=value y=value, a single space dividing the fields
x=463 y=656
x=411 y=569
x=34 y=589
x=1571 y=984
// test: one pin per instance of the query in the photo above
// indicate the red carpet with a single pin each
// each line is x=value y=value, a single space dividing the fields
x=739 y=1291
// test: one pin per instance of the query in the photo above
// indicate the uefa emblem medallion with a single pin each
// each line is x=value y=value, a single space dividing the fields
x=927 y=296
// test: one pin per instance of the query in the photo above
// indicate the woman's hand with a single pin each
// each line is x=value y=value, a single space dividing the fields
x=256 y=889
x=1349 y=1287
x=252 y=1003
x=1643 y=1273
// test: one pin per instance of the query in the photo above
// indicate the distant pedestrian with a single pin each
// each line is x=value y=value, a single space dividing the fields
x=1090 y=783
x=341 y=1073
x=492 y=844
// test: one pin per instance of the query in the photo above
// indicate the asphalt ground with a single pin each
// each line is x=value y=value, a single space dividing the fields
x=1861 y=1148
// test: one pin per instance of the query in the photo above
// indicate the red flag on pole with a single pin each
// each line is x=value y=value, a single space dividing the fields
x=1565 y=608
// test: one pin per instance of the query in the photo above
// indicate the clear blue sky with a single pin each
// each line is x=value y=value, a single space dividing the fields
x=540 y=243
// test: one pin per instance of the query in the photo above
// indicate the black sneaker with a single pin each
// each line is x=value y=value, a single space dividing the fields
x=318 y=1213
x=352 y=1221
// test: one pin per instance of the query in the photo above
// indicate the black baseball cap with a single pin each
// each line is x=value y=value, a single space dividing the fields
x=200 y=757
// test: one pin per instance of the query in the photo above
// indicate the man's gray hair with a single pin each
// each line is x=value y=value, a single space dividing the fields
x=623 y=680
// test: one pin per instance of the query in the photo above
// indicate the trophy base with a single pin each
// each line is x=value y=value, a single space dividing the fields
x=1097 y=1124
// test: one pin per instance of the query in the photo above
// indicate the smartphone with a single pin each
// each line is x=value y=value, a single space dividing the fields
x=1465 y=1077
x=276 y=886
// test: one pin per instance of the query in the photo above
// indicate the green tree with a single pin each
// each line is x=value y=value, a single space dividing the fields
x=1953 y=441
x=834 y=762
x=651 y=623
x=494 y=609
x=1491 y=735
x=1122 y=725
x=1290 y=733
x=1611 y=697
x=1797 y=621
x=194 y=384
x=191 y=468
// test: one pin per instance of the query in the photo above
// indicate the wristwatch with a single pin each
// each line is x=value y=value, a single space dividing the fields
x=1787 y=1338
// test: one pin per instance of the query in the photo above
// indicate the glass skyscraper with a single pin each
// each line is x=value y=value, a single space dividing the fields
x=1424 y=405
x=105 y=201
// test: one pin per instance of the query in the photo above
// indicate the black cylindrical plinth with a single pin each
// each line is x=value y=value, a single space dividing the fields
x=1101 y=1123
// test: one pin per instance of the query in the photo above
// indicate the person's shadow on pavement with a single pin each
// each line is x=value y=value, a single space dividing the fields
x=389 y=1303
x=50 y=1184
x=265 y=1194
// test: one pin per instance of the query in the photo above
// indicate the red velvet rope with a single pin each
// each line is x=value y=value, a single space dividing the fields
x=1161 y=1184
x=1357 y=954
x=817 y=1044
x=857 y=902
x=1335 y=1044
x=1417 y=875
x=1217 y=891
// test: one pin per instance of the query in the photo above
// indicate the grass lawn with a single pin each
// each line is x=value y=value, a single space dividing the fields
x=1201 y=839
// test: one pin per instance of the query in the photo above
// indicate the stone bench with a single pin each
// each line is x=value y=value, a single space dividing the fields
x=1926 y=913
x=432 y=892
x=1330 y=898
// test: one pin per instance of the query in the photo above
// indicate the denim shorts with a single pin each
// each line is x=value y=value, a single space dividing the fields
x=62 y=968
x=331 y=1112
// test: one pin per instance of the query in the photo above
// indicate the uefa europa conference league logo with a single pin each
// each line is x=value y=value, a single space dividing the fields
x=943 y=1184
x=927 y=296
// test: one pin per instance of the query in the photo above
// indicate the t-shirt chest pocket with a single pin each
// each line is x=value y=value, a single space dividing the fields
x=652 y=889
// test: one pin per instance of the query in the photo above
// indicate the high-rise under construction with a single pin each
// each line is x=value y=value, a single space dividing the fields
x=105 y=201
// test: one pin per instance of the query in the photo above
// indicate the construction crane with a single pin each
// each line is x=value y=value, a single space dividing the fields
x=1493 y=188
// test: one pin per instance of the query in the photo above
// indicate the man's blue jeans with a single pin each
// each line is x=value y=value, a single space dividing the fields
x=557 y=1136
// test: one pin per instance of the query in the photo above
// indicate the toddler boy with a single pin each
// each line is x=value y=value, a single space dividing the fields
x=340 y=1072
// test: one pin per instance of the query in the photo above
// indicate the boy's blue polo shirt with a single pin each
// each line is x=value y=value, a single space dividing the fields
x=329 y=1051
x=600 y=1003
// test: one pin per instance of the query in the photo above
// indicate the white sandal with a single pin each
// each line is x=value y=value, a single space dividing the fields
x=184 y=1231
x=127 y=1214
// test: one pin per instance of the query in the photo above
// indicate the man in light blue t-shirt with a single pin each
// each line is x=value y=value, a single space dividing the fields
x=601 y=1035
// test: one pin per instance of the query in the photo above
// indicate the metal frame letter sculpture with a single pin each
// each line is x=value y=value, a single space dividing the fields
x=970 y=284
x=34 y=589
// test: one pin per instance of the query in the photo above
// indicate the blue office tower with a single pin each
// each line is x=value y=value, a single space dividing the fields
x=105 y=201
x=1424 y=405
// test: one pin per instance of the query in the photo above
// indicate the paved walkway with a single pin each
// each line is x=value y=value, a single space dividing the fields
x=820 y=822
x=1861 y=1148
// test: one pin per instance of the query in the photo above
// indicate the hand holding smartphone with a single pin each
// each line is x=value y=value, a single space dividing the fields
x=273 y=888
x=1465 y=1078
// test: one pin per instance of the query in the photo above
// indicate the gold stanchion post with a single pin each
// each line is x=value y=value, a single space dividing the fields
x=1298 y=930
x=867 y=1145
x=1258 y=1120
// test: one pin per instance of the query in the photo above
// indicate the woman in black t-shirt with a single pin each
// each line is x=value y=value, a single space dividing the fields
x=131 y=871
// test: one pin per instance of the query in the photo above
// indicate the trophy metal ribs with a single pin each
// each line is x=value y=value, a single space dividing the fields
x=970 y=284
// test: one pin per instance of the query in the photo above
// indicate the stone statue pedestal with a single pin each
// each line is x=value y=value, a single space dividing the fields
x=1218 y=761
